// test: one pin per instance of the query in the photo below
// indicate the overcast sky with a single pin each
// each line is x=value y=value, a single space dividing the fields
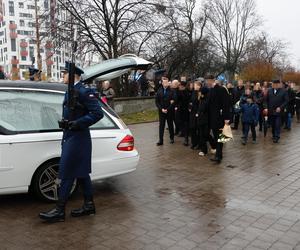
x=282 y=21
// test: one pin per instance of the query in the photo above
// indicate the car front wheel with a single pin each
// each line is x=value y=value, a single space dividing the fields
x=45 y=183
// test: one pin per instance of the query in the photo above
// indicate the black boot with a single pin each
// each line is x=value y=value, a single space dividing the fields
x=88 y=208
x=56 y=214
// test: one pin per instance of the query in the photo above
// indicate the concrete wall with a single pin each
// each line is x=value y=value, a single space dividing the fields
x=128 y=105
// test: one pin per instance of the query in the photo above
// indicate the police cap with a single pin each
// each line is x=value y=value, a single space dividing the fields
x=78 y=70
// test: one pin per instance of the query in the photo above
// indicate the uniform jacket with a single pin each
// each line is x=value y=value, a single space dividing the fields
x=273 y=101
x=165 y=99
x=76 y=153
x=218 y=107
x=250 y=113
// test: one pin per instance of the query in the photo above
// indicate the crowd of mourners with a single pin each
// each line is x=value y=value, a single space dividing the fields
x=198 y=110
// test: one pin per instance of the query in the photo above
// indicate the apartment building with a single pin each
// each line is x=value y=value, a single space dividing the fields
x=18 y=38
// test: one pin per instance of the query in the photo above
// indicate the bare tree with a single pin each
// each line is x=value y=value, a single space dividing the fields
x=108 y=27
x=264 y=48
x=231 y=25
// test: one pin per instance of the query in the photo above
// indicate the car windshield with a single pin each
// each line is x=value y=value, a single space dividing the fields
x=35 y=111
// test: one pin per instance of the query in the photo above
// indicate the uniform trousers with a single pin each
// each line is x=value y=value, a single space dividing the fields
x=66 y=186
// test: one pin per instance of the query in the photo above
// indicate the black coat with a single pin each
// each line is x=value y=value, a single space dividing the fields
x=258 y=97
x=237 y=93
x=297 y=100
x=273 y=101
x=193 y=107
x=218 y=107
x=292 y=100
x=183 y=99
x=165 y=101
x=203 y=111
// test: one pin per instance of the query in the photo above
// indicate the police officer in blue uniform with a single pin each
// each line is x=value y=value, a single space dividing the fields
x=75 y=162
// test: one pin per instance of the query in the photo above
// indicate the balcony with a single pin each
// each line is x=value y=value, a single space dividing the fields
x=24 y=53
x=23 y=44
x=49 y=62
x=14 y=61
x=13 y=35
x=49 y=54
x=12 y=26
x=49 y=45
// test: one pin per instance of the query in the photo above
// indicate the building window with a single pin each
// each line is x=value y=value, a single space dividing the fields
x=46 y=4
x=13 y=45
x=31 y=51
x=21 y=5
x=30 y=7
x=11 y=8
x=22 y=23
x=5 y=49
x=23 y=58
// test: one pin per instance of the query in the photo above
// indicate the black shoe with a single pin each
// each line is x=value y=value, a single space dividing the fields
x=88 y=208
x=181 y=135
x=275 y=140
x=56 y=214
x=172 y=141
x=186 y=143
x=234 y=128
x=193 y=147
x=216 y=160
x=159 y=143
x=244 y=141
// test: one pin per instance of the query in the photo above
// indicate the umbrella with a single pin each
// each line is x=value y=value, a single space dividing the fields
x=265 y=125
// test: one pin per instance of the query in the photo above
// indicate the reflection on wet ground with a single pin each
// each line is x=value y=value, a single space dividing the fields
x=177 y=200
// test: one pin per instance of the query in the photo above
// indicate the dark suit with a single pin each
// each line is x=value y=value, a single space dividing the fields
x=165 y=100
x=276 y=99
x=218 y=110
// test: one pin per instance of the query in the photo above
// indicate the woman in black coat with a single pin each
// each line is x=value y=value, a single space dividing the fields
x=193 y=108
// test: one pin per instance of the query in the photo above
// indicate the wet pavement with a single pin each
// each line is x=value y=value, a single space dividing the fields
x=177 y=200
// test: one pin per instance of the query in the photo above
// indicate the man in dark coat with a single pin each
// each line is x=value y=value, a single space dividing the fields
x=219 y=103
x=275 y=103
x=165 y=101
x=75 y=162
x=237 y=94
x=182 y=104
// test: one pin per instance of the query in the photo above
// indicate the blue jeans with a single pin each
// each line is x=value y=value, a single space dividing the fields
x=275 y=122
x=246 y=128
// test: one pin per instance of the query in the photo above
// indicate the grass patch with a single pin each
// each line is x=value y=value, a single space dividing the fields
x=140 y=117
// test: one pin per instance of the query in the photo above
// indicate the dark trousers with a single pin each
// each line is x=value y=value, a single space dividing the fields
x=184 y=127
x=217 y=145
x=66 y=186
x=288 y=120
x=260 y=121
x=236 y=120
x=203 y=137
x=162 y=123
x=298 y=113
x=275 y=122
x=246 y=128
x=195 y=136
x=175 y=118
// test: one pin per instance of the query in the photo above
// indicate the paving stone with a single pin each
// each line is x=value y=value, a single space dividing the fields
x=177 y=200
